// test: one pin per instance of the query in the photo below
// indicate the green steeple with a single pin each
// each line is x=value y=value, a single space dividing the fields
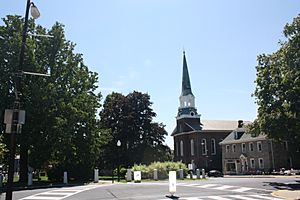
x=186 y=84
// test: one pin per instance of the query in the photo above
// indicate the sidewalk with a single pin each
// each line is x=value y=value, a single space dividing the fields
x=287 y=194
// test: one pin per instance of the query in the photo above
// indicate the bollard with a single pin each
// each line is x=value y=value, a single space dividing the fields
x=181 y=174
x=155 y=174
x=29 y=182
x=65 y=177
x=203 y=173
x=172 y=185
x=129 y=175
x=96 y=175
x=198 y=173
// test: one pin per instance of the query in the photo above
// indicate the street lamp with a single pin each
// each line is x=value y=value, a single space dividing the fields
x=119 y=145
x=17 y=116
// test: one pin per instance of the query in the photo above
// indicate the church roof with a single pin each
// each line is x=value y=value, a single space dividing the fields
x=223 y=125
x=213 y=125
x=186 y=83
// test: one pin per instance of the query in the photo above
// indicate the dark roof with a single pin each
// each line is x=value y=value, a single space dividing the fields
x=186 y=83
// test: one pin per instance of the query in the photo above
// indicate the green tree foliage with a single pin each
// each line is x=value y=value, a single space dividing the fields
x=130 y=120
x=278 y=89
x=61 y=129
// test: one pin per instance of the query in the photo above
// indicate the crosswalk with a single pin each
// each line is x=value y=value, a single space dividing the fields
x=61 y=193
x=232 y=197
x=232 y=188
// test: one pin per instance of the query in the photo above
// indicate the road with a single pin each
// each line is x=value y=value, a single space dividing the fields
x=211 y=189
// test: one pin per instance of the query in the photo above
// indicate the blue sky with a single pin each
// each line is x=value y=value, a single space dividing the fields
x=138 y=44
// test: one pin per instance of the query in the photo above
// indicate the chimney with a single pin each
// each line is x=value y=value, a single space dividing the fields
x=240 y=124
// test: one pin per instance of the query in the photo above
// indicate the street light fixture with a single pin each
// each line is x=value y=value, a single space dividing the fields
x=119 y=145
x=17 y=116
x=35 y=13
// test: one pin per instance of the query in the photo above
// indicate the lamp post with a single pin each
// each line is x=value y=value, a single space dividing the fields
x=17 y=116
x=119 y=145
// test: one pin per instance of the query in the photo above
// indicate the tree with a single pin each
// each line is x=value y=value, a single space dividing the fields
x=130 y=120
x=278 y=88
x=61 y=129
x=3 y=150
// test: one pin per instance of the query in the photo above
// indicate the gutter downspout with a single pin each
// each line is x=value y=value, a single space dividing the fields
x=272 y=153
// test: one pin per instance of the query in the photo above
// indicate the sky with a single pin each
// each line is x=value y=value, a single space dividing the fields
x=137 y=45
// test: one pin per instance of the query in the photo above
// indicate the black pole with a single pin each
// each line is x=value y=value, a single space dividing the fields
x=118 y=165
x=15 y=126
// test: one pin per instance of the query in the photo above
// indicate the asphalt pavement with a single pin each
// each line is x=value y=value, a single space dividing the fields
x=250 y=187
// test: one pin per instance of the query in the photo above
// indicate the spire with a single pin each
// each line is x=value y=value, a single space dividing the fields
x=186 y=84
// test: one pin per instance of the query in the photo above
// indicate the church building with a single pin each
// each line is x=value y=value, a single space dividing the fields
x=197 y=141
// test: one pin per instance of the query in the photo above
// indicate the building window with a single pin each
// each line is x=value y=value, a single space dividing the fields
x=192 y=147
x=259 y=146
x=252 y=163
x=213 y=146
x=181 y=148
x=204 y=147
x=261 y=163
x=251 y=146
x=285 y=145
x=243 y=148
x=233 y=148
x=227 y=148
x=177 y=149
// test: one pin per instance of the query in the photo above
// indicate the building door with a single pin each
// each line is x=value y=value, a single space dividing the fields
x=244 y=164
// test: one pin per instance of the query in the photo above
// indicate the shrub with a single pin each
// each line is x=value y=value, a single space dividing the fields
x=163 y=169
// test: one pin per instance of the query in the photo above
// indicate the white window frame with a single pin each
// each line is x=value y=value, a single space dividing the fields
x=243 y=147
x=192 y=147
x=204 y=146
x=252 y=163
x=251 y=146
x=259 y=144
x=213 y=146
x=233 y=148
x=260 y=163
x=227 y=148
x=181 y=148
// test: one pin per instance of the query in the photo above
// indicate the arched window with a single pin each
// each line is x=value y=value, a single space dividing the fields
x=181 y=148
x=213 y=146
x=177 y=149
x=204 y=147
x=192 y=147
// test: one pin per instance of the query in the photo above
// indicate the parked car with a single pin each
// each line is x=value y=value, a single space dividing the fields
x=215 y=173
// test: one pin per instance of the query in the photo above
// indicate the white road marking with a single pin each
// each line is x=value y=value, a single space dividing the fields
x=207 y=186
x=224 y=187
x=242 y=189
x=264 y=197
x=218 y=198
x=62 y=193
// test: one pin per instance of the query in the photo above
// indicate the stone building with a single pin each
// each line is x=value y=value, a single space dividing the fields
x=197 y=141
x=243 y=153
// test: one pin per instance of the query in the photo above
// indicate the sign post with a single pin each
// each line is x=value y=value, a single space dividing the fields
x=172 y=185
